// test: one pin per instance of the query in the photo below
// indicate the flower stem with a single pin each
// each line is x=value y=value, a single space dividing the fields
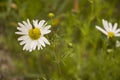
x=58 y=63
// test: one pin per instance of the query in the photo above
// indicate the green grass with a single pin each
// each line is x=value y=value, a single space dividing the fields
x=78 y=51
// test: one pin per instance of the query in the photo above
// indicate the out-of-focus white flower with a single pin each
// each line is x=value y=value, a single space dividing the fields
x=32 y=35
x=109 y=30
x=117 y=43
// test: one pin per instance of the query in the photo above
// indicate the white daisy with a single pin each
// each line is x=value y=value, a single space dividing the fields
x=109 y=30
x=32 y=37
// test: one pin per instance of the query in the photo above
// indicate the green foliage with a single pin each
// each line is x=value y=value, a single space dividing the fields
x=77 y=52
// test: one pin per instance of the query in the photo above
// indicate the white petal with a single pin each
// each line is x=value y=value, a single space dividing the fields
x=29 y=25
x=47 y=27
x=24 y=47
x=25 y=23
x=41 y=42
x=102 y=30
x=35 y=23
x=24 y=30
x=117 y=31
x=21 y=25
x=22 y=42
x=45 y=40
x=117 y=35
x=35 y=45
x=110 y=26
x=21 y=33
x=39 y=46
x=32 y=44
x=27 y=45
x=30 y=50
x=23 y=38
x=45 y=31
x=115 y=27
x=41 y=23
x=105 y=24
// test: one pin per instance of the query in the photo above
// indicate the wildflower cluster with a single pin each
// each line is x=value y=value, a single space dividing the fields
x=32 y=37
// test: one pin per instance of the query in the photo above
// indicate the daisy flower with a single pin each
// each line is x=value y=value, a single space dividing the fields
x=109 y=29
x=32 y=35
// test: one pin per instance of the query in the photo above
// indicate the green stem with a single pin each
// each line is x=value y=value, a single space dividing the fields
x=58 y=63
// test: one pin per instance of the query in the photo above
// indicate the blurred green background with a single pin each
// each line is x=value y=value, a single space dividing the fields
x=77 y=47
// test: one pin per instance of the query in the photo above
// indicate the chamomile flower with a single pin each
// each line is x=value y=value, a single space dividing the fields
x=32 y=35
x=109 y=30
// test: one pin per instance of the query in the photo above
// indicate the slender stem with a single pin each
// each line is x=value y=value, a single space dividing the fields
x=58 y=63
x=57 y=58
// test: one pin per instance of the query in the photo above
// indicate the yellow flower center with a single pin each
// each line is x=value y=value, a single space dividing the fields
x=110 y=34
x=34 y=33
